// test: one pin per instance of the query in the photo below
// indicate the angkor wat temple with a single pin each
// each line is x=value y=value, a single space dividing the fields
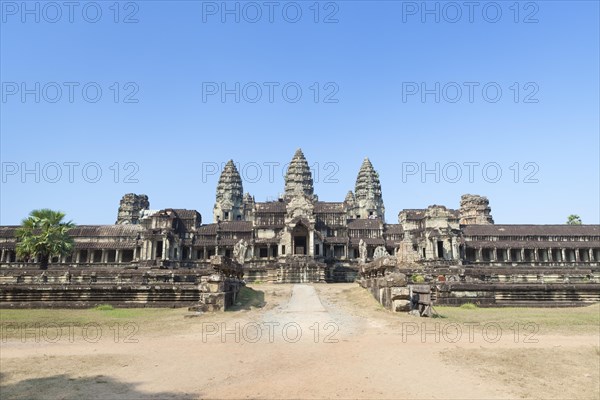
x=298 y=238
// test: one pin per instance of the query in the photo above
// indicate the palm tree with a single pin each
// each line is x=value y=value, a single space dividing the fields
x=44 y=235
x=573 y=220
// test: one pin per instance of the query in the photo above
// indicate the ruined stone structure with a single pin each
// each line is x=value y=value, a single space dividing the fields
x=298 y=238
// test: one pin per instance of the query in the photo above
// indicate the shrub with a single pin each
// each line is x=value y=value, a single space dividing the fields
x=418 y=279
x=468 y=306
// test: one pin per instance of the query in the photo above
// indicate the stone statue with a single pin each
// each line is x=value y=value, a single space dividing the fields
x=362 y=248
x=239 y=251
x=380 y=251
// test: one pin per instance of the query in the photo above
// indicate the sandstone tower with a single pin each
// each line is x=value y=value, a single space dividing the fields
x=475 y=210
x=298 y=177
x=131 y=207
x=368 y=200
x=229 y=205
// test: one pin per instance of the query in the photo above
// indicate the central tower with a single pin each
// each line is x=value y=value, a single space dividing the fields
x=368 y=199
x=229 y=205
x=298 y=177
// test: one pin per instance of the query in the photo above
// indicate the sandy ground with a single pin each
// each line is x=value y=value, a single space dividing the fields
x=308 y=341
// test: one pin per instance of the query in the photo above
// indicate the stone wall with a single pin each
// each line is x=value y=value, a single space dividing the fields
x=391 y=283
x=388 y=285
x=210 y=289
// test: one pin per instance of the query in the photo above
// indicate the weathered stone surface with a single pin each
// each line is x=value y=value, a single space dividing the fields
x=131 y=207
x=230 y=195
x=400 y=305
x=475 y=209
x=400 y=293
x=298 y=177
x=395 y=279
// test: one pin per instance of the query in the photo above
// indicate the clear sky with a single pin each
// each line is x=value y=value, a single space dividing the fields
x=187 y=85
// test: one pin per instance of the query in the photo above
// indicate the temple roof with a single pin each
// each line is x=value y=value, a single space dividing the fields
x=121 y=230
x=271 y=206
x=225 y=226
x=531 y=230
x=325 y=207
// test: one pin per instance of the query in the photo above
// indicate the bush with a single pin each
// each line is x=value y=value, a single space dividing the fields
x=418 y=279
x=104 y=307
x=468 y=306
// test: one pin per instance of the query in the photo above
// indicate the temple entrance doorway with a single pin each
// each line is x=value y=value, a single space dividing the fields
x=300 y=239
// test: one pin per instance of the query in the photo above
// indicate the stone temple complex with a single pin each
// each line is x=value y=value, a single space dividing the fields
x=298 y=238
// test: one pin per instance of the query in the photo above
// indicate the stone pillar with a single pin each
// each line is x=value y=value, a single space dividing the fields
x=454 y=245
x=522 y=255
x=563 y=254
x=550 y=258
x=536 y=255
x=577 y=257
x=331 y=249
x=311 y=244
x=2 y=256
x=495 y=254
x=478 y=255
x=508 y=256
x=118 y=256
x=591 y=255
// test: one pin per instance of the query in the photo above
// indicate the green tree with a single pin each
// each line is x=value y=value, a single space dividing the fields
x=44 y=235
x=573 y=220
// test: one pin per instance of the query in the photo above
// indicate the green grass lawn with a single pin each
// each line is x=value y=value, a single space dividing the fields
x=577 y=320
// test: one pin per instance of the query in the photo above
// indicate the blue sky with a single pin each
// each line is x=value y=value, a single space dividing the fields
x=167 y=126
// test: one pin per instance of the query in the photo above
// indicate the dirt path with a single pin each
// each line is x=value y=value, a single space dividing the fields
x=310 y=341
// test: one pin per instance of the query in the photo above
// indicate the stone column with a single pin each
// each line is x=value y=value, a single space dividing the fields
x=536 y=255
x=563 y=254
x=508 y=255
x=118 y=256
x=455 y=253
x=478 y=255
x=577 y=257
x=522 y=255
x=591 y=255
x=311 y=244
x=165 y=249
x=550 y=258
x=495 y=254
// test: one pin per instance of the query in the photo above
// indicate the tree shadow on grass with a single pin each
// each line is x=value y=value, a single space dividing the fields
x=67 y=387
x=248 y=298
